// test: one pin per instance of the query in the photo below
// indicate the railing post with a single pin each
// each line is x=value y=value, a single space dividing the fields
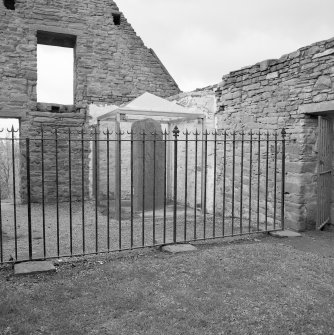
x=283 y=180
x=29 y=197
x=176 y=132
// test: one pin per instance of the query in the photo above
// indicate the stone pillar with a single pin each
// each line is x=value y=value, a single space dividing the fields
x=148 y=158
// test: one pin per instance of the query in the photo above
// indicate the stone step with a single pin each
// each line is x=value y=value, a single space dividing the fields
x=29 y=268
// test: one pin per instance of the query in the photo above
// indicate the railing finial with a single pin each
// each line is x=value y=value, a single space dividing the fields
x=176 y=131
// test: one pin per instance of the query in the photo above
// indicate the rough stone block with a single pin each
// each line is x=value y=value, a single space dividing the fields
x=272 y=75
x=323 y=83
x=33 y=268
x=323 y=54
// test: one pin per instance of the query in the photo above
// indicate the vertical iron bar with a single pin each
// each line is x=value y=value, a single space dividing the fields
x=224 y=183
x=319 y=202
x=283 y=180
x=14 y=189
x=176 y=134
x=242 y=179
x=83 y=191
x=214 y=183
x=165 y=187
x=120 y=188
x=195 y=197
x=131 y=190
x=1 y=241
x=205 y=181
x=57 y=192
x=250 y=180
x=70 y=187
x=96 y=189
x=258 y=181
x=186 y=186
x=143 y=196
x=267 y=179
x=275 y=182
x=154 y=185
x=233 y=179
x=108 y=189
x=29 y=197
x=43 y=193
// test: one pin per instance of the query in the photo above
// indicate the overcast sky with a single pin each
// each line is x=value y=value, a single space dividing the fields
x=200 y=41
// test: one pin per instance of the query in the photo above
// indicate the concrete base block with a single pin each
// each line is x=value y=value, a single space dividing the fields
x=178 y=248
x=33 y=268
x=284 y=234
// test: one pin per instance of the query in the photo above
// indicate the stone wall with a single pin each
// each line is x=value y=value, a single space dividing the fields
x=56 y=153
x=112 y=64
x=276 y=94
x=202 y=100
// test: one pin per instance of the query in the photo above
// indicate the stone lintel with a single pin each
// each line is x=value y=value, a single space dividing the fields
x=30 y=268
x=59 y=30
x=12 y=114
x=321 y=108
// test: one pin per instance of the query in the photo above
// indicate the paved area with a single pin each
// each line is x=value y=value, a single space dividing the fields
x=316 y=242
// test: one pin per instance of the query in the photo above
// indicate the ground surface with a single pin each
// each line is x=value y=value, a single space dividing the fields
x=64 y=231
x=260 y=285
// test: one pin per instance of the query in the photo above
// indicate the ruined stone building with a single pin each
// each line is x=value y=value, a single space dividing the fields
x=113 y=66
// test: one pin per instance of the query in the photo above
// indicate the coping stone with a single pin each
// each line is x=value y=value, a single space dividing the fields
x=37 y=267
x=178 y=248
x=284 y=234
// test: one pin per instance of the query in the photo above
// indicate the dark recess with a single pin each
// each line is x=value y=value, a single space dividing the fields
x=9 y=4
x=55 y=109
x=117 y=19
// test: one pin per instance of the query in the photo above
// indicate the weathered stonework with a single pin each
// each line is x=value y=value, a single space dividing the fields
x=112 y=64
x=274 y=94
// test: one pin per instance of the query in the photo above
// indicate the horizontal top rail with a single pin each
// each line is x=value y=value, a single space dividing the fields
x=92 y=132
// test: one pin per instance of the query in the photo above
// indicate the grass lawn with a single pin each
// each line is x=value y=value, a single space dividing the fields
x=247 y=287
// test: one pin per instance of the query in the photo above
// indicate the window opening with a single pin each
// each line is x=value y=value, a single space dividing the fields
x=55 y=67
x=9 y=4
x=116 y=18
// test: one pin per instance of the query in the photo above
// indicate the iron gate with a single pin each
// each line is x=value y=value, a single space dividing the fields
x=75 y=192
x=324 y=187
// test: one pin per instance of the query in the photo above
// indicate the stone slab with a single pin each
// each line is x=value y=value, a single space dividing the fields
x=148 y=161
x=285 y=234
x=33 y=268
x=178 y=248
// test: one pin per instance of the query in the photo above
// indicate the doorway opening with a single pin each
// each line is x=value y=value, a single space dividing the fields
x=325 y=171
x=9 y=159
